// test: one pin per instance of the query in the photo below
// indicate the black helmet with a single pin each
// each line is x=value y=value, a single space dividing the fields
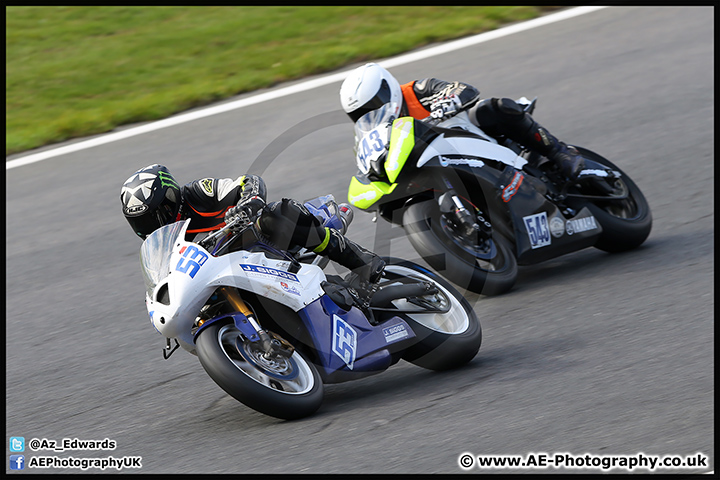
x=150 y=199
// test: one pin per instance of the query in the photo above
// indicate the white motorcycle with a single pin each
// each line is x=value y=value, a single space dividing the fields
x=270 y=327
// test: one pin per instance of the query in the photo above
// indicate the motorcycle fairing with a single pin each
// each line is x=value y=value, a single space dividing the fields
x=413 y=142
x=402 y=142
x=193 y=275
x=453 y=147
x=347 y=345
x=512 y=197
x=363 y=192
x=541 y=230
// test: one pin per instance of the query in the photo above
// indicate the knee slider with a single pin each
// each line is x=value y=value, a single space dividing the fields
x=483 y=113
x=508 y=106
x=515 y=118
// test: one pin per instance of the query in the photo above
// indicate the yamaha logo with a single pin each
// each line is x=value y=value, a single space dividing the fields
x=579 y=225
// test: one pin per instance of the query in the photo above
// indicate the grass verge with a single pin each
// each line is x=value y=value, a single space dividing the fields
x=78 y=71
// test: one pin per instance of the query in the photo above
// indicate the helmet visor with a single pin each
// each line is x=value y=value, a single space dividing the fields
x=382 y=97
x=143 y=225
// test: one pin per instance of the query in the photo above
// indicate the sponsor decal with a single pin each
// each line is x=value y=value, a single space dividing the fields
x=544 y=136
x=269 y=271
x=166 y=180
x=136 y=209
x=538 y=230
x=557 y=227
x=473 y=162
x=396 y=332
x=599 y=173
x=207 y=186
x=510 y=191
x=579 y=225
x=344 y=343
x=289 y=289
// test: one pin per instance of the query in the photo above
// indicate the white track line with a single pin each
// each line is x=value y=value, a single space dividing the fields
x=301 y=87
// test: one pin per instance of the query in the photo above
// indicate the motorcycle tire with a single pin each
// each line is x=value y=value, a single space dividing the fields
x=445 y=340
x=626 y=224
x=286 y=388
x=493 y=275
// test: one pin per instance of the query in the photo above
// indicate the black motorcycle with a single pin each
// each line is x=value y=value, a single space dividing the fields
x=475 y=207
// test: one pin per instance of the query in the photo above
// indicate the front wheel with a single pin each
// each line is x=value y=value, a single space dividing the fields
x=287 y=388
x=626 y=222
x=447 y=328
x=487 y=266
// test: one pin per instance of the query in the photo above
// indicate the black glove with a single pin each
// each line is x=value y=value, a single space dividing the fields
x=445 y=107
x=247 y=210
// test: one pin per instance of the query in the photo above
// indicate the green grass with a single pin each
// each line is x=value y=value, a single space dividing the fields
x=77 y=71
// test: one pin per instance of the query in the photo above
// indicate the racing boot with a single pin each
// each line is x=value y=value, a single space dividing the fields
x=568 y=159
x=505 y=117
x=366 y=267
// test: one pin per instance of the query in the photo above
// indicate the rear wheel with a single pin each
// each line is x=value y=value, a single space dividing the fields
x=486 y=266
x=279 y=386
x=449 y=335
x=624 y=214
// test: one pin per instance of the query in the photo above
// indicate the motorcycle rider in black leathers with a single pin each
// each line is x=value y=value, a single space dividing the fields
x=152 y=198
x=371 y=86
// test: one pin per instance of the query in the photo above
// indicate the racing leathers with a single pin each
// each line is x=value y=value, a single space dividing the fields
x=433 y=98
x=209 y=201
x=206 y=201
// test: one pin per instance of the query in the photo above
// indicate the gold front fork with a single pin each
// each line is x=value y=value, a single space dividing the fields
x=237 y=303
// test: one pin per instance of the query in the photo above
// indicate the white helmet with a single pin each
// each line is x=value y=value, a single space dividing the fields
x=368 y=88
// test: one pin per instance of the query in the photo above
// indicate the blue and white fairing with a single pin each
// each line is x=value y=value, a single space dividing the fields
x=347 y=345
x=180 y=277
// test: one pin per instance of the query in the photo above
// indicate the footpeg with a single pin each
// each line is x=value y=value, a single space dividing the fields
x=338 y=294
